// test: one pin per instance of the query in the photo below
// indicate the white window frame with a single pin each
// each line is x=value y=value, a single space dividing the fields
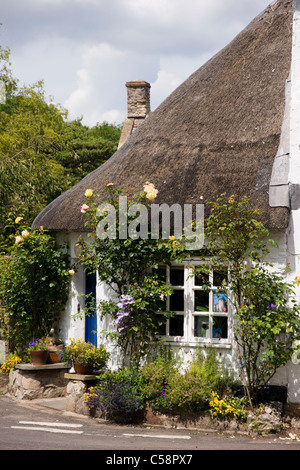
x=189 y=313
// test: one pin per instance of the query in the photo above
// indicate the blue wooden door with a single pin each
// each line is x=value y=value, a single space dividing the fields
x=91 y=317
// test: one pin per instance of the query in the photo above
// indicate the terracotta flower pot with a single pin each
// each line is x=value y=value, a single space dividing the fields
x=39 y=357
x=83 y=370
x=55 y=354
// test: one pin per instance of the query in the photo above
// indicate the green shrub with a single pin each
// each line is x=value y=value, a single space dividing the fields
x=117 y=394
x=34 y=286
x=166 y=388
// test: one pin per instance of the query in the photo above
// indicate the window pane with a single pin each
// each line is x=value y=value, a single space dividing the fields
x=220 y=327
x=219 y=277
x=201 y=326
x=176 y=325
x=177 y=277
x=201 y=299
x=201 y=279
x=220 y=301
x=162 y=330
x=162 y=274
x=177 y=301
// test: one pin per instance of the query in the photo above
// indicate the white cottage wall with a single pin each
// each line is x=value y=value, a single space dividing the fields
x=68 y=327
x=286 y=179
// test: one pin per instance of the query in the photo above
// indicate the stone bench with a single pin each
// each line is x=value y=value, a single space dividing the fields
x=29 y=382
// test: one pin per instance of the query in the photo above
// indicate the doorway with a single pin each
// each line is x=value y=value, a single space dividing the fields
x=91 y=314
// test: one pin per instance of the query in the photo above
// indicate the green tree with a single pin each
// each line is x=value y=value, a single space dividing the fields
x=41 y=153
x=87 y=148
x=31 y=134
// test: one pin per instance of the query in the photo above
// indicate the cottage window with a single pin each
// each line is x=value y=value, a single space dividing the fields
x=202 y=313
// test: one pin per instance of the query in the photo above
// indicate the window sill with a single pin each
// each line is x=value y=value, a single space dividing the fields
x=194 y=344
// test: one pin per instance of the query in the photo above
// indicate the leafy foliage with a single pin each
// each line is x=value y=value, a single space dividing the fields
x=41 y=153
x=266 y=315
x=87 y=148
x=86 y=354
x=159 y=385
x=167 y=388
x=34 y=285
x=129 y=266
x=117 y=394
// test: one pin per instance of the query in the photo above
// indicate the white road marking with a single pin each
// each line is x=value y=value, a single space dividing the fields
x=39 y=428
x=157 y=436
x=45 y=423
x=49 y=427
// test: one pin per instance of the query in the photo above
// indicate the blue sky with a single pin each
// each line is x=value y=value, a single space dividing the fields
x=86 y=50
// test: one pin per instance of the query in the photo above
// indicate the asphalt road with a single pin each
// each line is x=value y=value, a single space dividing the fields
x=28 y=426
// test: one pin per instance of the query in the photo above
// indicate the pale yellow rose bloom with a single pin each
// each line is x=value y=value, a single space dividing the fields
x=25 y=233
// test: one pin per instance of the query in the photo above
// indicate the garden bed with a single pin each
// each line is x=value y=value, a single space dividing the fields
x=273 y=418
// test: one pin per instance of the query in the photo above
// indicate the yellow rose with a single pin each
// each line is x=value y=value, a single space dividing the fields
x=18 y=220
x=25 y=233
x=89 y=192
x=152 y=194
x=19 y=239
x=71 y=272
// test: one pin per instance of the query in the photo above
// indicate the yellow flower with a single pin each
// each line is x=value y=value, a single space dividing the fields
x=19 y=239
x=71 y=272
x=89 y=192
x=172 y=237
x=18 y=220
x=25 y=233
x=150 y=190
x=297 y=279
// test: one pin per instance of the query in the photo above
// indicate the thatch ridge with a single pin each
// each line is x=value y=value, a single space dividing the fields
x=217 y=132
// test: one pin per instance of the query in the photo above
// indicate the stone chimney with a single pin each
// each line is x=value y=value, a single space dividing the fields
x=138 y=107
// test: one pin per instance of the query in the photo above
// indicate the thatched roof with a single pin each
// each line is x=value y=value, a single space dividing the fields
x=217 y=132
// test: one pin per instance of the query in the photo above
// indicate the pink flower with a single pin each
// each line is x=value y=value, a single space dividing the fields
x=84 y=208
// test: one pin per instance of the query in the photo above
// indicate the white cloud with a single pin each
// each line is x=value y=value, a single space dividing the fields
x=100 y=92
x=95 y=80
x=86 y=50
x=53 y=59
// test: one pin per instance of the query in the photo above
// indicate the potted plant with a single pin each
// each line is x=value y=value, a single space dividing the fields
x=85 y=356
x=38 y=350
x=55 y=348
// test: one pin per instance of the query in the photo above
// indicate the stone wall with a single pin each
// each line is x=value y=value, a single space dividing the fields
x=77 y=386
x=28 y=382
